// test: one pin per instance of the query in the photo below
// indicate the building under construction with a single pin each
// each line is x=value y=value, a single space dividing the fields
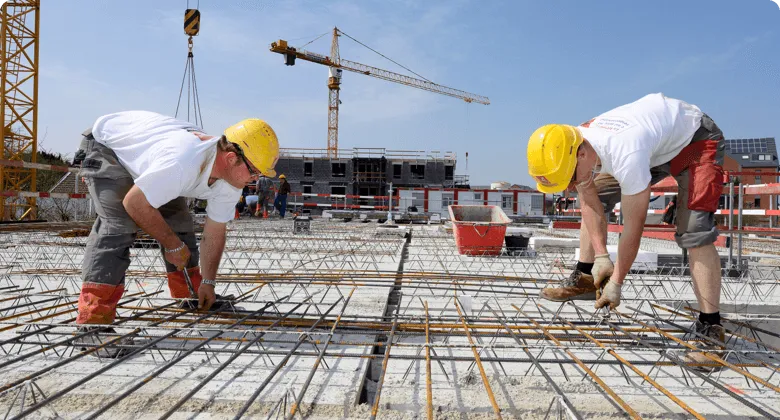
x=367 y=172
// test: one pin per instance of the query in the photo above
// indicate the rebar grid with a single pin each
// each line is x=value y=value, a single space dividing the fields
x=327 y=320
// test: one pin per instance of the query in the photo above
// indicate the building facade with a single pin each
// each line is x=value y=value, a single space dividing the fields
x=367 y=172
x=752 y=155
x=514 y=202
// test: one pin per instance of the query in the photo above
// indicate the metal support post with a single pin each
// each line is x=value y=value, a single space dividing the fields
x=739 y=226
x=390 y=205
x=731 y=212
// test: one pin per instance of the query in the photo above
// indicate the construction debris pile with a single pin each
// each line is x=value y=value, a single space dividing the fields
x=357 y=320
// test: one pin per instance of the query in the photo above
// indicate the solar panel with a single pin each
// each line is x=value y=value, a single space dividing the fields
x=750 y=145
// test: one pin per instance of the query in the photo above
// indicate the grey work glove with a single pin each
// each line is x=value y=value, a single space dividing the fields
x=602 y=270
x=610 y=295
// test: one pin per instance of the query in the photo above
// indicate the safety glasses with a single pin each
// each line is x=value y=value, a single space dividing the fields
x=240 y=153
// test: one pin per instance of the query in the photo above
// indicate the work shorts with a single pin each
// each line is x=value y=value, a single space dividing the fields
x=107 y=254
x=698 y=170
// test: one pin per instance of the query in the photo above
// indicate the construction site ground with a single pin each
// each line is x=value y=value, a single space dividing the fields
x=358 y=319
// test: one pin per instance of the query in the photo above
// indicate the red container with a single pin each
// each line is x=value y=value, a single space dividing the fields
x=478 y=230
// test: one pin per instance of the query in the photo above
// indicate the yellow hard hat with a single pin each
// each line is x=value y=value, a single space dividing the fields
x=552 y=156
x=258 y=142
x=282 y=176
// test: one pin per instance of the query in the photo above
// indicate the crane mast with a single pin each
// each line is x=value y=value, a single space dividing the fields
x=334 y=85
x=19 y=29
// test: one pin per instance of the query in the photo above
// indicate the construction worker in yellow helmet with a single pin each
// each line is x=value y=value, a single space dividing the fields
x=615 y=158
x=140 y=167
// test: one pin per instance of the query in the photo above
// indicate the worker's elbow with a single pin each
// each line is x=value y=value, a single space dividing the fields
x=127 y=203
x=134 y=202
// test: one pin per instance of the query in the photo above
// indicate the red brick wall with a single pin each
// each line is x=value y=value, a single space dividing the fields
x=730 y=164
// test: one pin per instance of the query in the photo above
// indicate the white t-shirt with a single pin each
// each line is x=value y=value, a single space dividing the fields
x=647 y=133
x=166 y=160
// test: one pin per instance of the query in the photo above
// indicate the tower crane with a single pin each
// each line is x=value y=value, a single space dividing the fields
x=336 y=64
x=19 y=36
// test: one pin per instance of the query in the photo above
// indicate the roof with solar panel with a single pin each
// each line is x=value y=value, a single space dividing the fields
x=753 y=153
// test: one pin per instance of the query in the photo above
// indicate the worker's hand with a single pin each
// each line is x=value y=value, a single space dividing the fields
x=602 y=269
x=609 y=295
x=179 y=258
x=206 y=297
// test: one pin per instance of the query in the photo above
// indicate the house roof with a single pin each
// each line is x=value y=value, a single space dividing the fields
x=753 y=153
x=67 y=184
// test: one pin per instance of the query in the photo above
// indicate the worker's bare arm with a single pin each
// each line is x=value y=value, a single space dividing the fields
x=593 y=217
x=634 y=210
x=149 y=218
x=211 y=246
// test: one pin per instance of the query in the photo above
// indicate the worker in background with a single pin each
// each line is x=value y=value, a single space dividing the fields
x=616 y=157
x=280 y=203
x=265 y=191
x=251 y=204
x=240 y=207
x=139 y=167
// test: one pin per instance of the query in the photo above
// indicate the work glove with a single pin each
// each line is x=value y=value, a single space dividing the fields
x=609 y=295
x=602 y=269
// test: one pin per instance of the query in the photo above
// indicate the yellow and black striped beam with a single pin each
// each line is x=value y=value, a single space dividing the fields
x=191 y=21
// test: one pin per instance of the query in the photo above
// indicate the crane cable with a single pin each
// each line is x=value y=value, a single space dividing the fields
x=301 y=47
x=191 y=28
x=386 y=57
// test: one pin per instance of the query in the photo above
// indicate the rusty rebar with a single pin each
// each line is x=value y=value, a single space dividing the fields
x=488 y=389
x=627 y=408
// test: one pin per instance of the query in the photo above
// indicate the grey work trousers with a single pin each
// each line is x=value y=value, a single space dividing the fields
x=694 y=227
x=107 y=254
x=264 y=198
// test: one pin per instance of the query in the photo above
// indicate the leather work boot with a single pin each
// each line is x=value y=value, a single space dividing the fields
x=578 y=286
x=714 y=332
x=97 y=338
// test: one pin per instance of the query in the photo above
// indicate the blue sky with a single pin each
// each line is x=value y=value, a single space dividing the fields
x=538 y=61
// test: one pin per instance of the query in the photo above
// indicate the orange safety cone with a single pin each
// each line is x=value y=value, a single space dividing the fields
x=237 y=216
x=265 y=212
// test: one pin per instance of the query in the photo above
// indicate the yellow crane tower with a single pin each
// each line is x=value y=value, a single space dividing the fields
x=19 y=25
x=336 y=64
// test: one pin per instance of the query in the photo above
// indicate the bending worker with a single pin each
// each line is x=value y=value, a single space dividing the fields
x=616 y=157
x=139 y=167
x=265 y=187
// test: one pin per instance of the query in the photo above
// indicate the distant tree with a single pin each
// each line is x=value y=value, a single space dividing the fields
x=46 y=180
x=56 y=209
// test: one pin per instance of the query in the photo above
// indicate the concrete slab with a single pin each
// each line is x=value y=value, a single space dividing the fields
x=541 y=242
x=265 y=262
